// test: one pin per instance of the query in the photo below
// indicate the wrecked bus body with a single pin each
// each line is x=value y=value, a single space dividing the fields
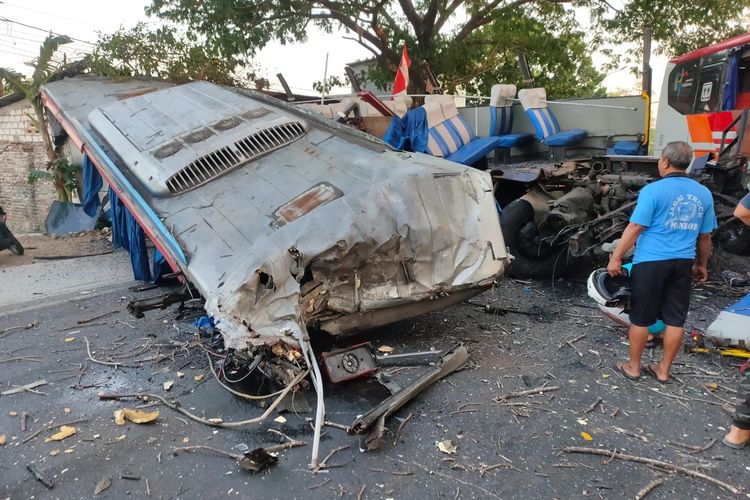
x=284 y=221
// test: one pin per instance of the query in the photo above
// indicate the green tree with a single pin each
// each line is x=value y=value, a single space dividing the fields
x=64 y=177
x=168 y=54
x=481 y=37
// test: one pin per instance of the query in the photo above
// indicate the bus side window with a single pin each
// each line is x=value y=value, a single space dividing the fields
x=743 y=84
x=683 y=82
x=707 y=99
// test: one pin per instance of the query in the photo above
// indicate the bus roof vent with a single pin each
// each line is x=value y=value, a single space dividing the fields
x=223 y=160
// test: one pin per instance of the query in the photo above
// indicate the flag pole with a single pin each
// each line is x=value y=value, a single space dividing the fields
x=325 y=76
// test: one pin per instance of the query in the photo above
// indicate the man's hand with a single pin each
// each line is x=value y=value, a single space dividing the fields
x=614 y=268
x=700 y=273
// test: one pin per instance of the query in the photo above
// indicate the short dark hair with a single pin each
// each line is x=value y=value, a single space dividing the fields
x=679 y=154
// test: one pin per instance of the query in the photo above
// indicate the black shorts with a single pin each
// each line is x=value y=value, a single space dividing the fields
x=660 y=289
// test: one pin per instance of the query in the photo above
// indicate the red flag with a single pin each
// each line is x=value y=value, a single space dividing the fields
x=402 y=74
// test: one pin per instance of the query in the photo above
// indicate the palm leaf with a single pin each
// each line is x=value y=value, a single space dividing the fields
x=16 y=81
x=43 y=66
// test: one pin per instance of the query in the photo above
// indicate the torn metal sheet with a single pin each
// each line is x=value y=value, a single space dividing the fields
x=282 y=219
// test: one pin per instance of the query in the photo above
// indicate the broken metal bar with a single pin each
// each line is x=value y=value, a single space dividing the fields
x=452 y=361
x=409 y=359
x=138 y=307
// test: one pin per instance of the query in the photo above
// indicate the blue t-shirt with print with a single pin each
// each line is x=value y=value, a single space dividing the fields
x=745 y=202
x=673 y=210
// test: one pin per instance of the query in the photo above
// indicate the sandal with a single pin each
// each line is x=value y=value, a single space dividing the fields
x=734 y=446
x=620 y=367
x=650 y=371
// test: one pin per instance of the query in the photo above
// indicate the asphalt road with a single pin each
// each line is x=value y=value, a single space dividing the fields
x=509 y=353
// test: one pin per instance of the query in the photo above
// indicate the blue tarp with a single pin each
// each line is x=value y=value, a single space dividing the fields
x=92 y=184
x=159 y=266
x=729 y=101
x=127 y=234
x=408 y=133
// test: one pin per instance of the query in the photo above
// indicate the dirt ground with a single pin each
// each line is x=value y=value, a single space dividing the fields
x=40 y=247
x=505 y=447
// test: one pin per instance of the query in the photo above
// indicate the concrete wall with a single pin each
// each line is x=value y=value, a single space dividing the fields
x=21 y=151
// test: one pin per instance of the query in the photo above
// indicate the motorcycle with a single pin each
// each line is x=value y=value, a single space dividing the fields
x=7 y=240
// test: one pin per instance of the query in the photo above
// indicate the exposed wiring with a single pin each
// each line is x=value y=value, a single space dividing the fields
x=242 y=394
x=317 y=379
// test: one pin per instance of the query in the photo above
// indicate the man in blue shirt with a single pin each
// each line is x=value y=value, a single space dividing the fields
x=671 y=230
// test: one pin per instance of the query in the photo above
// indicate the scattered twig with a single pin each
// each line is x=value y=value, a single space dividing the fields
x=291 y=443
x=49 y=427
x=324 y=463
x=35 y=359
x=316 y=486
x=529 y=392
x=105 y=363
x=211 y=422
x=191 y=449
x=658 y=463
x=484 y=470
x=614 y=413
x=84 y=321
x=148 y=488
x=24 y=418
x=11 y=329
x=570 y=343
x=693 y=449
x=626 y=432
x=464 y=408
x=343 y=427
x=22 y=388
x=648 y=489
x=400 y=428
x=593 y=405
x=361 y=492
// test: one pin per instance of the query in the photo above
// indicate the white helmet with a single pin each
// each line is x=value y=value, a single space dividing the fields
x=609 y=291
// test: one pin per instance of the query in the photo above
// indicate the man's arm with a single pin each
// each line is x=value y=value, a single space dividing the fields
x=742 y=214
x=700 y=268
x=628 y=239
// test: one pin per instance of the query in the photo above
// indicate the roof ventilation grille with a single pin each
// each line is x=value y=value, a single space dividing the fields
x=224 y=159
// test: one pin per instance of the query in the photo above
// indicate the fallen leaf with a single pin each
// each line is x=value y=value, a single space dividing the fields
x=180 y=374
x=66 y=410
x=2 y=439
x=70 y=339
x=586 y=436
x=13 y=413
x=385 y=349
x=54 y=452
x=102 y=485
x=280 y=420
x=135 y=416
x=65 y=431
x=168 y=384
x=713 y=386
x=582 y=421
x=198 y=377
x=447 y=446
x=186 y=440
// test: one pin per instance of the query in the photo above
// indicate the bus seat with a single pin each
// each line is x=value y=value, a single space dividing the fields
x=545 y=124
x=501 y=121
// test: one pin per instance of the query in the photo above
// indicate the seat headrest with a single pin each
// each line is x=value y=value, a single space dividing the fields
x=501 y=93
x=533 y=98
x=447 y=103
x=434 y=113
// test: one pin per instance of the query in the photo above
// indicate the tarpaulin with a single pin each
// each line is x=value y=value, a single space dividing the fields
x=159 y=266
x=128 y=234
x=729 y=101
x=92 y=183
x=408 y=133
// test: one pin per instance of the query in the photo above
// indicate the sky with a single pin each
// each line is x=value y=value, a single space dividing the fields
x=25 y=23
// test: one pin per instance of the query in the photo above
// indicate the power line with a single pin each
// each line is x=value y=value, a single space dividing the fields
x=19 y=49
x=6 y=51
x=37 y=43
x=5 y=19
x=50 y=14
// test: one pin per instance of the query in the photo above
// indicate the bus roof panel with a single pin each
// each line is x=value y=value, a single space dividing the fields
x=713 y=49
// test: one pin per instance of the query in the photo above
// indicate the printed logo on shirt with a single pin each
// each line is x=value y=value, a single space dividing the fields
x=686 y=212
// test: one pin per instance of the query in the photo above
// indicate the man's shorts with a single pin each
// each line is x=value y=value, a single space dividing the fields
x=660 y=289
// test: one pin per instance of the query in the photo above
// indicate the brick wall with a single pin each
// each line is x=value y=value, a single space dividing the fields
x=21 y=151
